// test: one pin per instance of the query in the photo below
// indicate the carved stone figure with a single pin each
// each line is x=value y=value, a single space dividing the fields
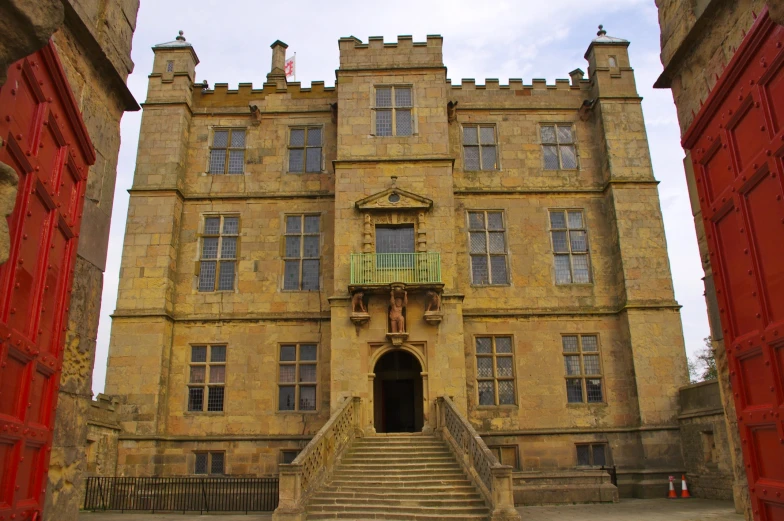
x=397 y=321
x=433 y=302
x=357 y=302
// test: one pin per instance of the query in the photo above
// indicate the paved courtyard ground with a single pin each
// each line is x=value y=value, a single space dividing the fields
x=626 y=510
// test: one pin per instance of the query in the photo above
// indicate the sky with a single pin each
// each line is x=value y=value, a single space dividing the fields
x=500 y=39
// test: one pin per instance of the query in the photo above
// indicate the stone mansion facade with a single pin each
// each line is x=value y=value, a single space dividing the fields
x=396 y=238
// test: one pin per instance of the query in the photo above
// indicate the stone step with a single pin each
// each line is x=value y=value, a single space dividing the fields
x=450 y=493
x=396 y=509
x=396 y=459
x=400 y=466
x=382 y=516
x=393 y=477
x=374 y=501
x=377 y=483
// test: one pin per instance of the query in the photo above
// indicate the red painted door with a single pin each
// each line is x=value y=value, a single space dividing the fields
x=737 y=148
x=44 y=140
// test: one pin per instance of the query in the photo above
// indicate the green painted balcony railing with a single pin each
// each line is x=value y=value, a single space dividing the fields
x=390 y=268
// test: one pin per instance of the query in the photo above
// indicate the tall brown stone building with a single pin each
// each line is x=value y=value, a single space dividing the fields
x=397 y=238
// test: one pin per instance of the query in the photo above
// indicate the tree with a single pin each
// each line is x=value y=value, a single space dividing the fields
x=702 y=366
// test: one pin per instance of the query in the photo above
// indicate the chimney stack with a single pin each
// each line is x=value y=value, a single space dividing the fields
x=277 y=72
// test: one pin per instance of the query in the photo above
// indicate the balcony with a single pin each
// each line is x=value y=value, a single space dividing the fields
x=380 y=269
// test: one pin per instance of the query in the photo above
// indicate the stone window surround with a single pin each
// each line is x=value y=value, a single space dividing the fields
x=412 y=108
x=302 y=233
x=558 y=145
x=206 y=384
x=394 y=218
x=209 y=454
x=582 y=376
x=497 y=451
x=200 y=236
x=507 y=254
x=216 y=128
x=296 y=382
x=591 y=446
x=550 y=230
x=322 y=168
x=513 y=378
x=496 y=143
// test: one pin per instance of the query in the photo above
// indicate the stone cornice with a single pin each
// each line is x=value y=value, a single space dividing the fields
x=561 y=312
x=223 y=317
x=580 y=430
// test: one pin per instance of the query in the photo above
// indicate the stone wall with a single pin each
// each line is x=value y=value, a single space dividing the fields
x=704 y=441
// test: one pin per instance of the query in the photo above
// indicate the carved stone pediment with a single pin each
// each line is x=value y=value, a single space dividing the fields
x=394 y=199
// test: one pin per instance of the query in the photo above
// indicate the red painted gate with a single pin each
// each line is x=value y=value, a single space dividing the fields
x=737 y=147
x=45 y=141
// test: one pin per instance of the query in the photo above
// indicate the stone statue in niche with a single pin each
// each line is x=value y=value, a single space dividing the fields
x=397 y=306
x=433 y=302
x=433 y=314
x=357 y=303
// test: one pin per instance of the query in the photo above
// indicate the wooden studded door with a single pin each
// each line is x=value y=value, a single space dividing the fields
x=45 y=141
x=737 y=149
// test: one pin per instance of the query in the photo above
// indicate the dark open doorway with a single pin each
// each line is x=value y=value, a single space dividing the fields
x=397 y=390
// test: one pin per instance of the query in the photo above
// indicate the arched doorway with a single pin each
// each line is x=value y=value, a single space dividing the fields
x=397 y=393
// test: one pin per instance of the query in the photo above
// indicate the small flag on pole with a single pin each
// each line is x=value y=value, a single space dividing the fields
x=291 y=68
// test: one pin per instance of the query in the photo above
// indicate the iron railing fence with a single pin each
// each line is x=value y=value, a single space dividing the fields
x=182 y=494
x=389 y=268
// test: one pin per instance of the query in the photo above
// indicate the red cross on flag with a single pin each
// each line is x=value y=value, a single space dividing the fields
x=290 y=68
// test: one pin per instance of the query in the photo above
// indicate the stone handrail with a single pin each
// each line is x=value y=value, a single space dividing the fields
x=492 y=479
x=315 y=463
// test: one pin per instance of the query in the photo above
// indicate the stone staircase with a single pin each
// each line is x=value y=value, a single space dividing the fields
x=398 y=477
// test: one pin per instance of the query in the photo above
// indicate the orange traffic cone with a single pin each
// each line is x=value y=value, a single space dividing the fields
x=672 y=494
x=684 y=489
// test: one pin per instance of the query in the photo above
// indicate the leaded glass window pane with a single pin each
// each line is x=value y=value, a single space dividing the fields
x=487 y=135
x=557 y=220
x=598 y=453
x=564 y=134
x=201 y=464
x=503 y=344
x=198 y=374
x=581 y=271
x=504 y=366
x=572 y=365
x=383 y=122
x=402 y=97
x=568 y=157
x=293 y=224
x=594 y=390
x=476 y=221
x=314 y=137
x=207 y=275
x=486 y=393
x=569 y=344
x=506 y=392
x=230 y=225
x=559 y=242
x=297 y=137
x=310 y=275
x=484 y=367
x=286 y=400
x=217 y=161
x=209 y=248
x=229 y=248
x=291 y=275
x=495 y=221
x=311 y=246
x=307 y=373
x=288 y=373
x=497 y=243
x=384 y=97
x=488 y=158
x=484 y=345
x=471 y=157
x=550 y=157
x=311 y=224
x=313 y=160
x=574 y=390
x=470 y=136
x=296 y=158
x=212 y=226
x=579 y=243
x=215 y=399
x=216 y=467
x=479 y=272
x=226 y=280
x=498 y=269
x=292 y=246
x=238 y=139
x=590 y=344
x=403 y=122
x=220 y=139
x=548 y=134
x=198 y=354
x=307 y=398
x=591 y=364
x=575 y=219
x=218 y=374
x=307 y=352
x=288 y=353
x=196 y=399
x=218 y=354
x=478 y=242
x=236 y=161
x=583 y=455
